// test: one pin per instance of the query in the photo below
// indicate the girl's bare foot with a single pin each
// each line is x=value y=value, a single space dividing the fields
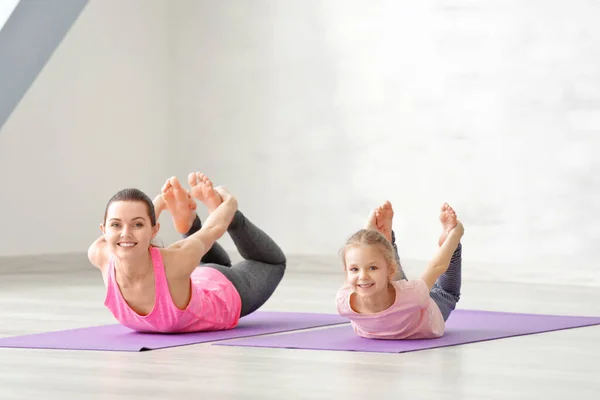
x=449 y=221
x=372 y=221
x=180 y=204
x=202 y=189
x=384 y=217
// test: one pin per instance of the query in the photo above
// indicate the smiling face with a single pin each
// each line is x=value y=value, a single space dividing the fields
x=367 y=271
x=128 y=228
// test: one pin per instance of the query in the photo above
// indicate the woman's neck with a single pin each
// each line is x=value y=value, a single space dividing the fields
x=378 y=302
x=133 y=269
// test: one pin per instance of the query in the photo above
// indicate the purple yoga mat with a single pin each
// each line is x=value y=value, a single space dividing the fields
x=463 y=326
x=119 y=338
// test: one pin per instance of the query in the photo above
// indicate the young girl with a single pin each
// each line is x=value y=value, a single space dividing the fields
x=150 y=289
x=378 y=299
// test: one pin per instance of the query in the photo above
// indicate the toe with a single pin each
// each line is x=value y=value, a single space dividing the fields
x=192 y=179
x=176 y=185
x=166 y=187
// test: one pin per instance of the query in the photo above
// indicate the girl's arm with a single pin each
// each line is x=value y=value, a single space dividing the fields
x=441 y=261
x=185 y=254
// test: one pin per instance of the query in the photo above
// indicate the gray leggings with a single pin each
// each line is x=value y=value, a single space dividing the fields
x=446 y=290
x=258 y=275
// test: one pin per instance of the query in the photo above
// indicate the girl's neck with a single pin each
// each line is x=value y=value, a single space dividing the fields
x=378 y=302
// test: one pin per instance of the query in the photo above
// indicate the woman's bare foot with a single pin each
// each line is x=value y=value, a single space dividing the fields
x=384 y=217
x=449 y=221
x=180 y=204
x=202 y=189
x=159 y=205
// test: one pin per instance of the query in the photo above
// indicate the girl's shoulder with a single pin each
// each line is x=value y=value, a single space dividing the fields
x=411 y=291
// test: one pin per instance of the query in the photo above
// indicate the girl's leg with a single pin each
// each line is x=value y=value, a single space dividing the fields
x=380 y=219
x=446 y=290
x=216 y=254
x=400 y=275
x=263 y=267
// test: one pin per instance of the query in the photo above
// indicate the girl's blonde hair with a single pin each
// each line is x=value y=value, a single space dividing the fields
x=369 y=237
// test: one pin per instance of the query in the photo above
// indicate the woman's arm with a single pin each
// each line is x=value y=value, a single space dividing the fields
x=97 y=253
x=186 y=254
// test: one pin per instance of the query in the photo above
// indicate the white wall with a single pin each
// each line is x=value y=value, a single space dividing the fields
x=312 y=112
x=94 y=122
x=315 y=111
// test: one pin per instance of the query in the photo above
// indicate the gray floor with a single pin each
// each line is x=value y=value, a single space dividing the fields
x=40 y=294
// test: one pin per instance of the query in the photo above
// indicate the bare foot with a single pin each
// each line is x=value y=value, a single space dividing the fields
x=159 y=205
x=384 y=217
x=180 y=204
x=449 y=221
x=202 y=189
x=372 y=221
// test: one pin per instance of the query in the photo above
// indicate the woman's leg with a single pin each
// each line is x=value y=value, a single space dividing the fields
x=263 y=267
x=182 y=207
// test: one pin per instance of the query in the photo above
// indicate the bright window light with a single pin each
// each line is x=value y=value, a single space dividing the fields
x=6 y=9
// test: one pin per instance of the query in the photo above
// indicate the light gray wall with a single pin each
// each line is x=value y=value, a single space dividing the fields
x=94 y=121
x=315 y=111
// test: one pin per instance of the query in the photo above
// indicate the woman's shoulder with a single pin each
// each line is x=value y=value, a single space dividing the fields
x=175 y=263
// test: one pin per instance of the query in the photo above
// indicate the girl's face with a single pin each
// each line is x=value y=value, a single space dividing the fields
x=367 y=271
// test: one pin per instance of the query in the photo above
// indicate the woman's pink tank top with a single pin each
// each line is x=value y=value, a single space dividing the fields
x=215 y=304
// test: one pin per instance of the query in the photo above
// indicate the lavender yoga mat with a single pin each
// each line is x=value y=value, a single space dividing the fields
x=463 y=326
x=119 y=338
